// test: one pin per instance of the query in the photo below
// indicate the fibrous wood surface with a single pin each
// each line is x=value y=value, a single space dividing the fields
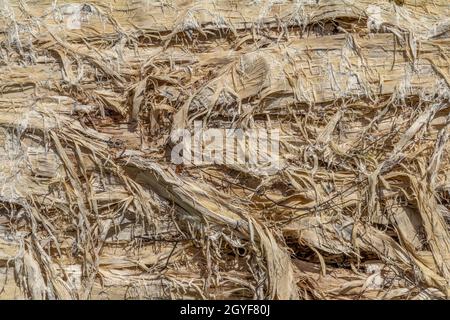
x=93 y=93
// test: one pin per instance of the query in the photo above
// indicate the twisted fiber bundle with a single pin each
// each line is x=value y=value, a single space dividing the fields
x=92 y=93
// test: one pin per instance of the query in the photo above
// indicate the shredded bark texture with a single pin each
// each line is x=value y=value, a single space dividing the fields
x=93 y=95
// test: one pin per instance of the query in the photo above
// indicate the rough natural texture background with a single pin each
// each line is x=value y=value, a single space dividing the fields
x=91 y=206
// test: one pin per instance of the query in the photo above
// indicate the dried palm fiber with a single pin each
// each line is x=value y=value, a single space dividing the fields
x=92 y=95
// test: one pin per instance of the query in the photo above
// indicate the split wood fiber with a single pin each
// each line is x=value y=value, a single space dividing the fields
x=92 y=94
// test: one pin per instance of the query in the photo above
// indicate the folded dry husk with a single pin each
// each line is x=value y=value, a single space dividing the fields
x=92 y=94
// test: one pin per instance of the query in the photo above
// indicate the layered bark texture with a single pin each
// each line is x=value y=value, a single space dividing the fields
x=93 y=93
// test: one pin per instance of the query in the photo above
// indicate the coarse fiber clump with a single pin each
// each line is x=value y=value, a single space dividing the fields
x=93 y=97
